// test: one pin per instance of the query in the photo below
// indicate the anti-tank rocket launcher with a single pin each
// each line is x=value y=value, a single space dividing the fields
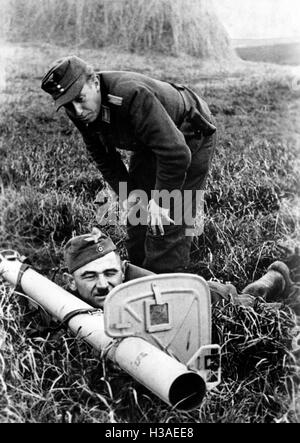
x=157 y=328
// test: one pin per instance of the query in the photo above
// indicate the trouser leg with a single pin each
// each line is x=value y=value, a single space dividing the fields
x=220 y=292
x=167 y=253
x=171 y=252
x=135 y=244
x=194 y=186
x=142 y=171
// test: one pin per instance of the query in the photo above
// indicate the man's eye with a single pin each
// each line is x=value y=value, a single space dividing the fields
x=80 y=99
x=110 y=273
x=89 y=277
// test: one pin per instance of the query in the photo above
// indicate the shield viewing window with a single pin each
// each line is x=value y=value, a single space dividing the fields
x=157 y=316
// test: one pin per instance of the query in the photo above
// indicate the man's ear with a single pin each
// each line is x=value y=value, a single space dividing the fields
x=69 y=281
x=97 y=83
x=123 y=268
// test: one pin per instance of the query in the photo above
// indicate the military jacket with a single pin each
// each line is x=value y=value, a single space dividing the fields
x=138 y=112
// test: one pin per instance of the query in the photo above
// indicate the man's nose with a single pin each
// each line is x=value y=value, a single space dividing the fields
x=101 y=282
x=77 y=109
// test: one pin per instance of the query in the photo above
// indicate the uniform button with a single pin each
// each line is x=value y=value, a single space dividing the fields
x=100 y=248
x=62 y=90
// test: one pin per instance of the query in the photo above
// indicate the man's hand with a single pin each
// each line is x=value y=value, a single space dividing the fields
x=157 y=216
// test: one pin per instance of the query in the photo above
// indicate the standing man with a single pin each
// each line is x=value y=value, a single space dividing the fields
x=171 y=134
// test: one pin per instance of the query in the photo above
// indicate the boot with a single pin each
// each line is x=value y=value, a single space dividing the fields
x=274 y=286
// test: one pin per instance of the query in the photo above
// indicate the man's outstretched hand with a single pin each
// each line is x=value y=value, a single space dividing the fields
x=157 y=217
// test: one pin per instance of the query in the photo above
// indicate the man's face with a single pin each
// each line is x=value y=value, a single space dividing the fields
x=86 y=106
x=96 y=279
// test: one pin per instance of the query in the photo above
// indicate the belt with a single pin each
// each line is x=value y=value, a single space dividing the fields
x=200 y=119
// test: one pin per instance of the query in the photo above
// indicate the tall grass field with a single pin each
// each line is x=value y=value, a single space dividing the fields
x=48 y=190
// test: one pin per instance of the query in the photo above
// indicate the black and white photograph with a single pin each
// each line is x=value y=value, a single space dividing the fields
x=150 y=214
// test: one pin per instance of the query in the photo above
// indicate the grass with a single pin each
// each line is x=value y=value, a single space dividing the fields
x=51 y=377
x=284 y=53
x=48 y=190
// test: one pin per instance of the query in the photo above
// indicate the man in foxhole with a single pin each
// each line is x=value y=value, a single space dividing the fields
x=95 y=268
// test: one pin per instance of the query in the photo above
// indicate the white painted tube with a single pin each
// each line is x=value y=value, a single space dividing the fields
x=58 y=302
x=166 y=377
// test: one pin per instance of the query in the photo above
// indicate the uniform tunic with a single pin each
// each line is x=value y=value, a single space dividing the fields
x=155 y=121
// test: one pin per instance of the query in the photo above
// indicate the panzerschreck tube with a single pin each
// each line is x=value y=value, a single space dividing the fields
x=166 y=377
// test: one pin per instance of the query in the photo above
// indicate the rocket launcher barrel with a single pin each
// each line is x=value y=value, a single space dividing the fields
x=166 y=377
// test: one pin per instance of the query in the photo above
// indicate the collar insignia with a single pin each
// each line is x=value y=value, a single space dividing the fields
x=105 y=113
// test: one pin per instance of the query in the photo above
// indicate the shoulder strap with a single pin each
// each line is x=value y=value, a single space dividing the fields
x=114 y=100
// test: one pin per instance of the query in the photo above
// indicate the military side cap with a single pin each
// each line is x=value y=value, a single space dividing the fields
x=65 y=79
x=86 y=248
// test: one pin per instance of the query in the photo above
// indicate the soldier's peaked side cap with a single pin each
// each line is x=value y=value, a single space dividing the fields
x=65 y=79
x=86 y=248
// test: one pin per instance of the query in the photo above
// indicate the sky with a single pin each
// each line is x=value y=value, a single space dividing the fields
x=260 y=18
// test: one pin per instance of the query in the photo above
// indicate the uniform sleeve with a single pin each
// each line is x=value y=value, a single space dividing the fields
x=155 y=129
x=108 y=160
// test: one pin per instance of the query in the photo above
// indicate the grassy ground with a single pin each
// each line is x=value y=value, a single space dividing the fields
x=283 y=54
x=48 y=189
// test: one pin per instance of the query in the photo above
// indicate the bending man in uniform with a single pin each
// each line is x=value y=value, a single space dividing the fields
x=171 y=134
